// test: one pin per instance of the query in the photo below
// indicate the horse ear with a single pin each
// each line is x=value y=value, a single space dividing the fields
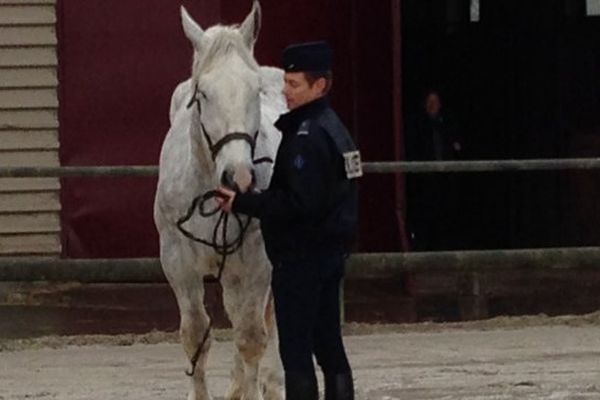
x=251 y=25
x=192 y=30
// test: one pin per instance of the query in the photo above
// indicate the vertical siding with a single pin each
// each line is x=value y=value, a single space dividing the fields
x=29 y=208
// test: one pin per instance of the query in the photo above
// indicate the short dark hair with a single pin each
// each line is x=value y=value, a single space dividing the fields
x=313 y=76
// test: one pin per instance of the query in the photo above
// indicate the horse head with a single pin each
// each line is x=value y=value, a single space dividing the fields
x=226 y=82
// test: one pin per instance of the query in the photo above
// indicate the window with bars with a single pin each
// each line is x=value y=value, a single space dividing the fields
x=474 y=10
x=592 y=7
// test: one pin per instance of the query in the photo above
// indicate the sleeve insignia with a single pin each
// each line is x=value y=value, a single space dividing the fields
x=303 y=129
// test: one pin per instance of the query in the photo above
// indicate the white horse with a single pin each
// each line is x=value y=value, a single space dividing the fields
x=221 y=118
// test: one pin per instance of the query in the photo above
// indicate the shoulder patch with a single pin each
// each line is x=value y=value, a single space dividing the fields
x=353 y=164
x=304 y=128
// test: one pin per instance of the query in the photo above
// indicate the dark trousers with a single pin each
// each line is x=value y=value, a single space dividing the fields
x=307 y=310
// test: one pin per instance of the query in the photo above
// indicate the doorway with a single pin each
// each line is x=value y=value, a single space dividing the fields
x=518 y=78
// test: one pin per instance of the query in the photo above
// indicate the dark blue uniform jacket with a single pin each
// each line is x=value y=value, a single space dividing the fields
x=310 y=207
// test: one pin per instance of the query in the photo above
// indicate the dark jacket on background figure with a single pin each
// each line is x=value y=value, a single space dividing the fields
x=433 y=200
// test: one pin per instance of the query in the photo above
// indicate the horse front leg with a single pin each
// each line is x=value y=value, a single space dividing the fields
x=196 y=341
x=188 y=286
x=245 y=306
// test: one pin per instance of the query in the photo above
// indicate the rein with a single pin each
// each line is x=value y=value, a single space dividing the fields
x=198 y=203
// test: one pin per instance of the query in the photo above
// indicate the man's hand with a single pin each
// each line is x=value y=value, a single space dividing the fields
x=225 y=198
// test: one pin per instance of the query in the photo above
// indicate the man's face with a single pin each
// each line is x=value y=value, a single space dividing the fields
x=433 y=105
x=298 y=91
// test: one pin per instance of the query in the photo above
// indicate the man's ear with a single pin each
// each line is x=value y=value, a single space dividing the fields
x=321 y=84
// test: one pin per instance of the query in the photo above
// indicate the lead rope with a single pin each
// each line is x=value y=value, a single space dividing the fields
x=224 y=249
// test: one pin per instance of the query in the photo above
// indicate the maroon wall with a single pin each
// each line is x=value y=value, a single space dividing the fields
x=119 y=62
x=375 y=127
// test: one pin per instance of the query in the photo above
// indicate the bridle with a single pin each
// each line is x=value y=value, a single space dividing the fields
x=215 y=148
x=198 y=203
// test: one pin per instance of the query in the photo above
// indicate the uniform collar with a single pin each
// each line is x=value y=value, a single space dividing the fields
x=292 y=119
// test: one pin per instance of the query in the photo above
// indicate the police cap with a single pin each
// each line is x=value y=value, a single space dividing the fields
x=310 y=56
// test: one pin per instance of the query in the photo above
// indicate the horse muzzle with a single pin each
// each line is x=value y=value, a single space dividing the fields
x=240 y=179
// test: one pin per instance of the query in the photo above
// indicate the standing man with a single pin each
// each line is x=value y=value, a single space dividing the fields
x=308 y=216
x=433 y=199
x=434 y=134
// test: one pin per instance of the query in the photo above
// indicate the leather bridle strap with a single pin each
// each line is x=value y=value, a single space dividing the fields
x=216 y=147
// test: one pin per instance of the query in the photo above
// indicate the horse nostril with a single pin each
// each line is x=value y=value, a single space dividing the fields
x=227 y=179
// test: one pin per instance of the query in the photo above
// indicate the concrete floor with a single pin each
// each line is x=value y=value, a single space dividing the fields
x=479 y=361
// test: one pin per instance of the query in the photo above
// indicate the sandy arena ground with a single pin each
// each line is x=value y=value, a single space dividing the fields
x=506 y=358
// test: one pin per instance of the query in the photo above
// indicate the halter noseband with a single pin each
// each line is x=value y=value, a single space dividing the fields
x=216 y=147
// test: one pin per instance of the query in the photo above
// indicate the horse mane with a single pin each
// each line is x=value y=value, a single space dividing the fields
x=223 y=41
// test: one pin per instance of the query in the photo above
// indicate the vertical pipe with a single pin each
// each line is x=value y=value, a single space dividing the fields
x=400 y=181
x=60 y=74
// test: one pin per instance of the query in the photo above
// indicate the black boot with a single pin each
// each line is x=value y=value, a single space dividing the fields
x=300 y=386
x=339 y=386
